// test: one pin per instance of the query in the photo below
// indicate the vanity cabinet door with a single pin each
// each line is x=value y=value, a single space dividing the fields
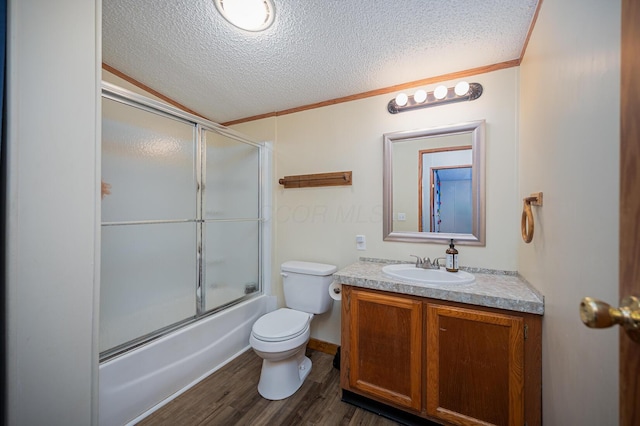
x=475 y=366
x=382 y=340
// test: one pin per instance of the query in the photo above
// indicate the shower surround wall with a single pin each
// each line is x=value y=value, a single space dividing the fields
x=182 y=236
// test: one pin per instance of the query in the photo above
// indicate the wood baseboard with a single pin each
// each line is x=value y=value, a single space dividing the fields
x=320 y=346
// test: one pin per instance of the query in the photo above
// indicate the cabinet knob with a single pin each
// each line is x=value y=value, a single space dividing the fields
x=595 y=313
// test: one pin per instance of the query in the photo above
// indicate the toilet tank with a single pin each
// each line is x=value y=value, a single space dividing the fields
x=306 y=285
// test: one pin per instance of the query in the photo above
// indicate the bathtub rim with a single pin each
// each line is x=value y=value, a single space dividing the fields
x=158 y=382
x=173 y=396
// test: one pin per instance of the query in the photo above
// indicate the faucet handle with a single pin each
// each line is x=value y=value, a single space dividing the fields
x=419 y=260
x=436 y=261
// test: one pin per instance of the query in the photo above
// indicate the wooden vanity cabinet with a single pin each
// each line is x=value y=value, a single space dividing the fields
x=475 y=366
x=448 y=362
x=385 y=347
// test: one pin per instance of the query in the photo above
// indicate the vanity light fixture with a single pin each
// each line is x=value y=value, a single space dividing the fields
x=441 y=92
x=462 y=91
x=401 y=99
x=250 y=15
x=420 y=96
x=461 y=88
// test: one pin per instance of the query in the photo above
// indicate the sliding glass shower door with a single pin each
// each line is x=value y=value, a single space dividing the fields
x=181 y=221
x=231 y=225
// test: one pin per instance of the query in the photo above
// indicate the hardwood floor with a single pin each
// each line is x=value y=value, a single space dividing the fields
x=230 y=397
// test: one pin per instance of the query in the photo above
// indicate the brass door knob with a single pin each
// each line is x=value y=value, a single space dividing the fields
x=598 y=314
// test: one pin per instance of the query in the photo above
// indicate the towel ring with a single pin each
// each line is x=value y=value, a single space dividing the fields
x=527 y=225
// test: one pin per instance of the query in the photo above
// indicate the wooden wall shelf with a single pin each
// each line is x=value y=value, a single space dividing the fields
x=317 y=179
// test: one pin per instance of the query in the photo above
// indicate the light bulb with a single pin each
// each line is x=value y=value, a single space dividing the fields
x=420 y=96
x=402 y=99
x=250 y=15
x=462 y=88
x=440 y=92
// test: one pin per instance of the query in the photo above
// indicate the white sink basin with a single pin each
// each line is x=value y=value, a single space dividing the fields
x=408 y=272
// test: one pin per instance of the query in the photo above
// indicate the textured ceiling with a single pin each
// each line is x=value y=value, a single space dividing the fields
x=316 y=50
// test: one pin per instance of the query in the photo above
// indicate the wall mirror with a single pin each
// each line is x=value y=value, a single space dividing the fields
x=433 y=184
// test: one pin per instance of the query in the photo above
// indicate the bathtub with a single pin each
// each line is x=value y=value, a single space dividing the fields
x=137 y=383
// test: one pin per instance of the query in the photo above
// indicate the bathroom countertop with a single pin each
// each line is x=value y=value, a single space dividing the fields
x=494 y=289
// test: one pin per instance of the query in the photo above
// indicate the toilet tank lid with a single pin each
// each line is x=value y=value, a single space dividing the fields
x=309 y=268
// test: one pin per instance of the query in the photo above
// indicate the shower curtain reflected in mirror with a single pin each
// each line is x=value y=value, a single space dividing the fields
x=452 y=200
x=180 y=227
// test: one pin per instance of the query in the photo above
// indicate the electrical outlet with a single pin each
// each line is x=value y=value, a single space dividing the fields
x=402 y=217
x=361 y=242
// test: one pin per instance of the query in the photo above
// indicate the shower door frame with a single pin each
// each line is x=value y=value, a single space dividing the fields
x=200 y=126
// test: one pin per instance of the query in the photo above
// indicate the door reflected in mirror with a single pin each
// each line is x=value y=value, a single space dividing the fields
x=434 y=184
x=445 y=191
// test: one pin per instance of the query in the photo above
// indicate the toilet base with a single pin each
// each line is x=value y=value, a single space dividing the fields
x=281 y=379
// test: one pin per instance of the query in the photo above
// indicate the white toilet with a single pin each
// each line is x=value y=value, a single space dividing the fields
x=280 y=337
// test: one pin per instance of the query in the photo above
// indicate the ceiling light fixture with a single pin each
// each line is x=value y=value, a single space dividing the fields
x=463 y=91
x=249 y=15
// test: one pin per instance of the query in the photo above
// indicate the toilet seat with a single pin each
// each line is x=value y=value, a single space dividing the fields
x=280 y=325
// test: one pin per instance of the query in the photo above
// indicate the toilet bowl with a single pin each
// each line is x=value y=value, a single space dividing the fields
x=280 y=337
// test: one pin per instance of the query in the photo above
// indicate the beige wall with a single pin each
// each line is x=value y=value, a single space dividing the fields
x=52 y=244
x=320 y=224
x=569 y=143
x=405 y=185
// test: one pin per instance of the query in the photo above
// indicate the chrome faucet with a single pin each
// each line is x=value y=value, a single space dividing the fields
x=426 y=263
x=419 y=260
x=436 y=261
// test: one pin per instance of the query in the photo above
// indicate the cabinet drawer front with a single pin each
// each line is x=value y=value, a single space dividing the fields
x=385 y=348
x=475 y=366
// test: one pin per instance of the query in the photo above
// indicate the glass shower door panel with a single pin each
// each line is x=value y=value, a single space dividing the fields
x=232 y=184
x=148 y=279
x=232 y=264
x=149 y=161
